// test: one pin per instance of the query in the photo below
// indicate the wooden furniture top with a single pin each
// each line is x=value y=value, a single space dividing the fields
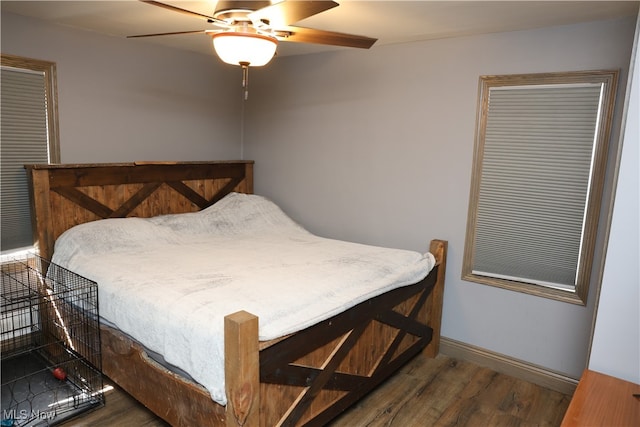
x=136 y=163
x=603 y=400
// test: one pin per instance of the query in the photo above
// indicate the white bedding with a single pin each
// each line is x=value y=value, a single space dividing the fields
x=169 y=281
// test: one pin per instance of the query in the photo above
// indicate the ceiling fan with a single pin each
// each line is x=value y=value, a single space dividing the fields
x=249 y=31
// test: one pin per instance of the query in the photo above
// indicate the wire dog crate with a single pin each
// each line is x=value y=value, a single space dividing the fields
x=50 y=343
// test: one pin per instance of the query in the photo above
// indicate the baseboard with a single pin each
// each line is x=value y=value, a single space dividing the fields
x=508 y=365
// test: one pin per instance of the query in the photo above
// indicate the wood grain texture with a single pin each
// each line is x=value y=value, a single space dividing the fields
x=242 y=367
x=426 y=392
x=603 y=400
x=177 y=400
x=438 y=249
x=508 y=365
x=449 y=392
x=313 y=376
x=321 y=371
x=68 y=195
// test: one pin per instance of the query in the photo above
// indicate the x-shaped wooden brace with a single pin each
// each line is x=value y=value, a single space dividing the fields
x=103 y=211
x=283 y=370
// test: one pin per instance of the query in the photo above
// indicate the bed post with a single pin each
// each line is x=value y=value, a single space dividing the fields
x=439 y=250
x=41 y=215
x=241 y=366
x=248 y=177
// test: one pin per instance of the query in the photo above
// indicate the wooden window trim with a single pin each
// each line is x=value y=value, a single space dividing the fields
x=579 y=294
x=47 y=76
x=51 y=89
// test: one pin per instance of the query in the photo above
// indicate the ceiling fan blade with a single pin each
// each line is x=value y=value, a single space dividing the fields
x=309 y=35
x=290 y=12
x=168 y=34
x=208 y=18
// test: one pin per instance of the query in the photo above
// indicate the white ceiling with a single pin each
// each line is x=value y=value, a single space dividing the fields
x=389 y=21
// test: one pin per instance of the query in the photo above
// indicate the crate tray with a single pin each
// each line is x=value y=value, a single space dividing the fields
x=36 y=397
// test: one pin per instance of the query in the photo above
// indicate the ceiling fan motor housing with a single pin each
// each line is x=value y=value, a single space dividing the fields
x=237 y=11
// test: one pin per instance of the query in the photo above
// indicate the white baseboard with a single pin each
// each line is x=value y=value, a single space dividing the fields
x=508 y=365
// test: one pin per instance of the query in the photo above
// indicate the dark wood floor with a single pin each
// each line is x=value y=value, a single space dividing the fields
x=426 y=392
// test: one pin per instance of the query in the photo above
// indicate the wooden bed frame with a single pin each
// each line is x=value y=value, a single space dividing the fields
x=306 y=378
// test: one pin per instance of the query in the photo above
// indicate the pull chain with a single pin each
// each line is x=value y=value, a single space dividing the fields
x=245 y=79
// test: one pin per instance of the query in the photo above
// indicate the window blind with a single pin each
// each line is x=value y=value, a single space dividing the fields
x=24 y=139
x=536 y=165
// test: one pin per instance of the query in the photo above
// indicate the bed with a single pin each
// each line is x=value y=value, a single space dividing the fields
x=299 y=377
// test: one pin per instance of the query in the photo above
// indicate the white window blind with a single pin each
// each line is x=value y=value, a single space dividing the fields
x=24 y=139
x=536 y=168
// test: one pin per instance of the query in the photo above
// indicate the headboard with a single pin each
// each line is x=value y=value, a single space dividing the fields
x=63 y=196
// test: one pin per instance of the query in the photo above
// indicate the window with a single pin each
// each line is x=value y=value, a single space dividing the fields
x=537 y=181
x=29 y=134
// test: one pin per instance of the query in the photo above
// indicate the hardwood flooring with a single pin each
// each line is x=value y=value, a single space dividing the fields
x=449 y=392
x=426 y=392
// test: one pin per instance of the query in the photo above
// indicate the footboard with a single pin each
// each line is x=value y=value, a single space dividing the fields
x=310 y=377
x=306 y=378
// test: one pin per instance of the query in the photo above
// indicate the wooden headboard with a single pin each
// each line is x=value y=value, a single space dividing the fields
x=63 y=196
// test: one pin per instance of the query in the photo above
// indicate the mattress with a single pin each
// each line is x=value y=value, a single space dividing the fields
x=168 y=281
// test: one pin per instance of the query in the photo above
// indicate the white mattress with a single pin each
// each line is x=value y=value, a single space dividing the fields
x=169 y=281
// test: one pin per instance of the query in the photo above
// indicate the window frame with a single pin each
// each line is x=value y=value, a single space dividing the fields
x=48 y=69
x=51 y=91
x=608 y=78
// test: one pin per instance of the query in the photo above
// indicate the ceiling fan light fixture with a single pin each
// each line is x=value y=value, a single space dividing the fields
x=237 y=48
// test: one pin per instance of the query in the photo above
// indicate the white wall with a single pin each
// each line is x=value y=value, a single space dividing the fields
x=616 y=342
x=376 y=146
x=122 y=100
